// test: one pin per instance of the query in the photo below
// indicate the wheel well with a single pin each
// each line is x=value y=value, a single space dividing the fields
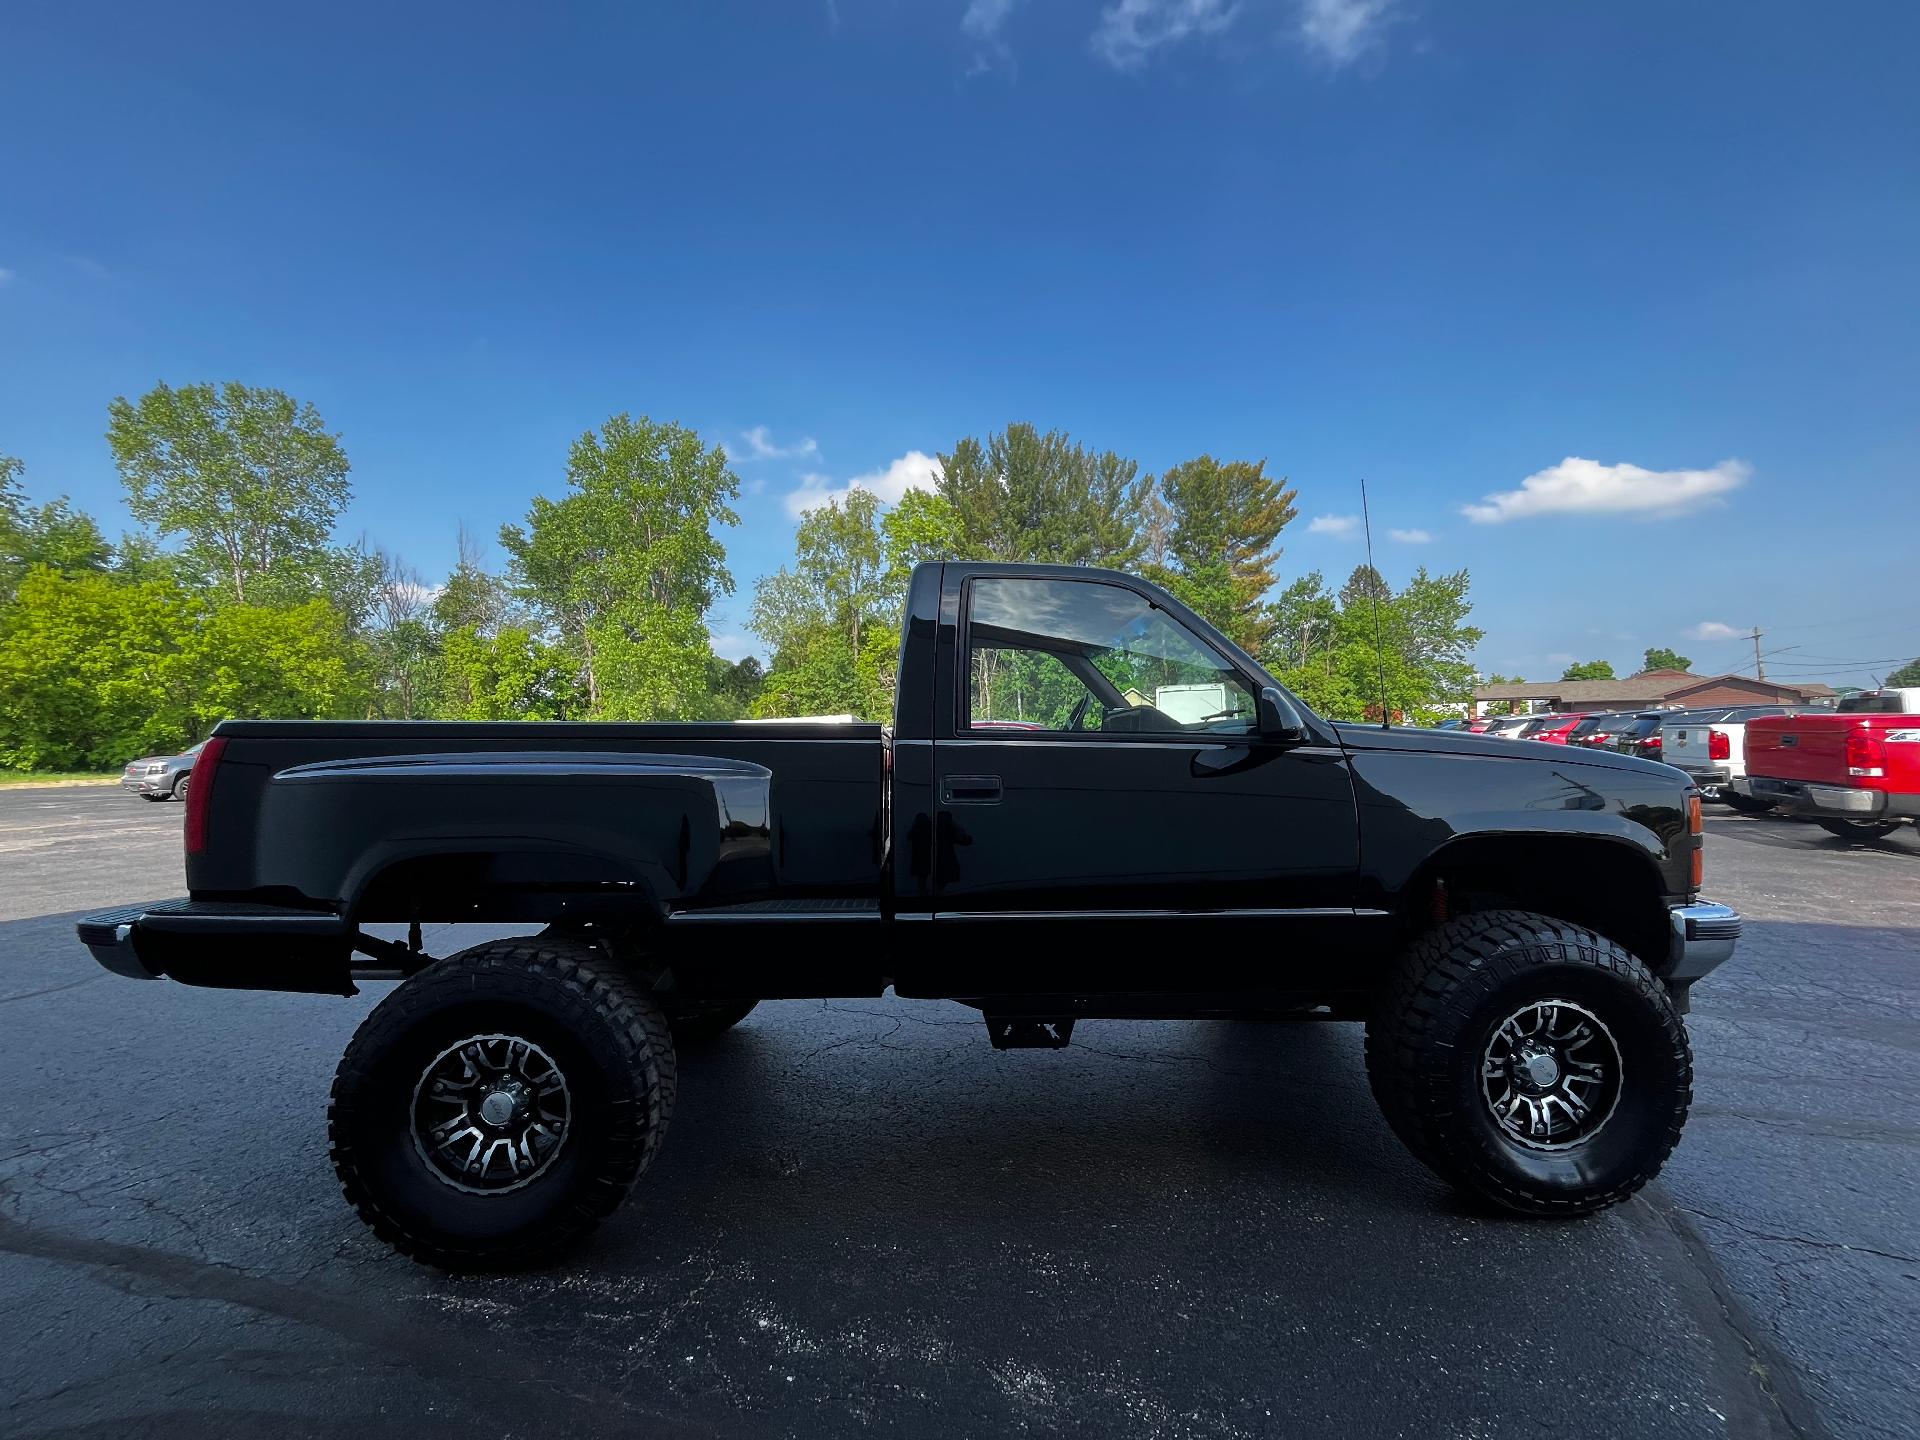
x=501 y=885
x=1600 y=884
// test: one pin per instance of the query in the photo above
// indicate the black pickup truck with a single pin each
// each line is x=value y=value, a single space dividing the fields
x=1090 y=805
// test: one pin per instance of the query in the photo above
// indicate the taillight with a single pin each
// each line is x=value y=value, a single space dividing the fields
x=200 y=794
x=1865 y=758
x=1653 y=742
x=1696 y=827
x=1719 y=745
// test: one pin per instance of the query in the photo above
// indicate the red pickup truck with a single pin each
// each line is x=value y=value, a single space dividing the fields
x=1856 y=771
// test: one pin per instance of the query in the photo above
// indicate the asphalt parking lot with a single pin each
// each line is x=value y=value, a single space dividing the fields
x=865 y=1220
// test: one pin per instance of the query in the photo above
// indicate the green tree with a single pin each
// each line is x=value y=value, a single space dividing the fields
x=83 y=680
x=626 y=565
x=1588 y=670
x=54 y=534
x=1027 y=496
x=249 y=479
x=829 y=619
x=511 y=674
x=1908 y=674
x=260 y=662
x=1221 y=522
x=1659 y=657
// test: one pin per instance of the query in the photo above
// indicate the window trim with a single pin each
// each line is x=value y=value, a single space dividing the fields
x=964 y=728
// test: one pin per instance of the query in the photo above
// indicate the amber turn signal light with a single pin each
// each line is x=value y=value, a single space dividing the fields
x=1696 y=822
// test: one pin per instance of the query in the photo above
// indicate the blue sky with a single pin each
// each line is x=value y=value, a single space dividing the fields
x=1652 y=273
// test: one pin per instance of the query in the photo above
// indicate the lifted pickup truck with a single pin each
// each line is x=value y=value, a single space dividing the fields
x=1091 y=804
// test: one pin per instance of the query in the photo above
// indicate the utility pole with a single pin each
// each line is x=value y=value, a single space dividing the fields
x=1759 y=666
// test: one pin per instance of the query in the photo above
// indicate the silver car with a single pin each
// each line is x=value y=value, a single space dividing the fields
x=161 y=777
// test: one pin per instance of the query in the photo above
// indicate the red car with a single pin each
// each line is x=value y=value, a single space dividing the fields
x=1557 y=728
x=1856 y=772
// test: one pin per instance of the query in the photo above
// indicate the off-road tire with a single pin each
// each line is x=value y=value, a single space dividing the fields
x=604 y=1033
x=1432 y=1027
x=699 y=1023
x=1745 y=804
x=1859 y=829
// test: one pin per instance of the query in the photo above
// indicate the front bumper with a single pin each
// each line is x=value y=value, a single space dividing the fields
x=143 y=784
x=1704 y=935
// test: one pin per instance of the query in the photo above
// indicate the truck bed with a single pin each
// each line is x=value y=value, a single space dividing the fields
x=298 y=805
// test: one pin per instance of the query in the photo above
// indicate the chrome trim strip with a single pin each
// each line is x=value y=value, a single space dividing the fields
x=1343 y=912
x=763 y=917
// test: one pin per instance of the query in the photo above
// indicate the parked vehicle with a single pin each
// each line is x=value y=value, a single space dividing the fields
x=1641 y=735
x=161 y=777
x=1597 y=730
x=1509 y=727
x=1519 y=931
x=1555 y=729
x=1713 y=751
x=1856 y=771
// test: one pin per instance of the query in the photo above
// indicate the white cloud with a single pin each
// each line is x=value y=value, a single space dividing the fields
x=1131 y=30
x=1714 y=630
x=1586 y=487
x=1410 y=537
x=914 y=470
x=1339 y=31
x=985 y=17
x=757 y=444
x=1333 y=524
x=733 y=647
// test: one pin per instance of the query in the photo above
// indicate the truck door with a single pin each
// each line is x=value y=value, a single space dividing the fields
x=1107 y=811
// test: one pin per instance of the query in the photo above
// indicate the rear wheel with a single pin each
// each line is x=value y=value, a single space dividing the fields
x=500 y=1104
x=1531 y=1062
x=1859 y=829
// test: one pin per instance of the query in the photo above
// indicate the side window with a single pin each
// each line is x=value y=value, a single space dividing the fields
x=1086 y=656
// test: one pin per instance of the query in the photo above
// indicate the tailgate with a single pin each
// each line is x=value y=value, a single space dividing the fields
x=1799 y=747
x=1685 y=744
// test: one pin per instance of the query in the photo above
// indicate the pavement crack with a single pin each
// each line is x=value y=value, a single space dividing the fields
x=1808 y=1241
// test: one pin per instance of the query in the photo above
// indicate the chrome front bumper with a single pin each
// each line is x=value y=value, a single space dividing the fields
x=1704 y=935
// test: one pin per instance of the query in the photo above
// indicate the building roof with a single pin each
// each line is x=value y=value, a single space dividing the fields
x=1652 y=688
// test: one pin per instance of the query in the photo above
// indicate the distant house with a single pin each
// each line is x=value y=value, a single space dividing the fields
x=1649 y=690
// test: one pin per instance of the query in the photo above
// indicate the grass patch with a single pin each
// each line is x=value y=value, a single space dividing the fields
x=57 y=777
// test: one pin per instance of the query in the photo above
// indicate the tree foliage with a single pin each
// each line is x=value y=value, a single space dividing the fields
x=1659 y=657
x=1588 y=670
x=250 y=480
x=626 y=565
x=1908 y=674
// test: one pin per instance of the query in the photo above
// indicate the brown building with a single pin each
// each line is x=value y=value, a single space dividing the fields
x=1650 y=690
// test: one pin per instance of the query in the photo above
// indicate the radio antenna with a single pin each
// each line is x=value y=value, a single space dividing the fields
x=1373 y=603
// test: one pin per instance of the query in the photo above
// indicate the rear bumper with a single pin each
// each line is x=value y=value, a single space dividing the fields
x=1705 y=776
x=1842 y=802
x=1704 y=935
x=229 y=945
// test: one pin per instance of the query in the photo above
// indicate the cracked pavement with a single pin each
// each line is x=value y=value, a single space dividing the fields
x=865 y=1219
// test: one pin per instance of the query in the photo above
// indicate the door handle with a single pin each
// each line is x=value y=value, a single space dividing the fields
x=970 y=790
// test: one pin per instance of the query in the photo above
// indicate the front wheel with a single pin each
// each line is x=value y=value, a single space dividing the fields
x=1531 y=1062
x=1860 y=829
x=500 y=1104
x=181 y=786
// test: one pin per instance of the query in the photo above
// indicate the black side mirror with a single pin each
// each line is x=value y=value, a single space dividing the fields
x=1280 y=718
